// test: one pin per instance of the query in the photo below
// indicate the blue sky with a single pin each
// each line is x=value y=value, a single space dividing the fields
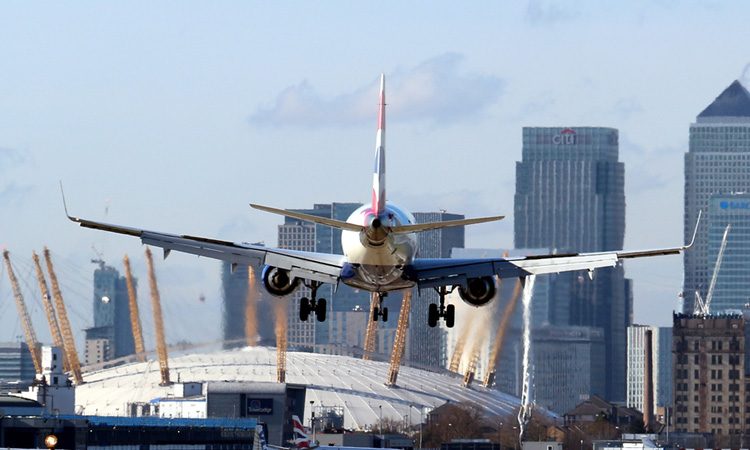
x=173 y=116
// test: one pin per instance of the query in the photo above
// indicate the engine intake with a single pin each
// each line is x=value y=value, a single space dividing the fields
x=478 y=291
x=278 y=281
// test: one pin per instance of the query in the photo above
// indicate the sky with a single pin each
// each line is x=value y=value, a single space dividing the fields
x=173 y=116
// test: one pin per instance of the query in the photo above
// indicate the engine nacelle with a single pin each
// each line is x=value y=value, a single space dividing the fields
x=478 y=291
x=278 y=281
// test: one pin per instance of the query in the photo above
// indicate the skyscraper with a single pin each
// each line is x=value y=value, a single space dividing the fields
x=427 y=345
x=717 y=163
x=234 y=290
x=347 y=307
x=570 y=196
x=111 y=313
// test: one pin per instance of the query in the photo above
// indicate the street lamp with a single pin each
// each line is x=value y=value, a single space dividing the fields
x=312 y=420
x=421 y=421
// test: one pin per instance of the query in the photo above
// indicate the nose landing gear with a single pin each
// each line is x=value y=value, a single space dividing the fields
x=448 y=312
x=312 y=304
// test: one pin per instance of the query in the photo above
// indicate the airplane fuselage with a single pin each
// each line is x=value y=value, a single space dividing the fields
x=378 y=265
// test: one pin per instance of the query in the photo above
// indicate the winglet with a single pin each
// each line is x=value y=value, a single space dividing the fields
x=695 y=231
x=65 y=204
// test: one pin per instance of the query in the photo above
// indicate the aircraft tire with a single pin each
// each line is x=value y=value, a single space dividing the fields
x=385 y=314
x=304 y=309
x=450 y=316
x=375 y=314
x=320 y=310
x=432 y=315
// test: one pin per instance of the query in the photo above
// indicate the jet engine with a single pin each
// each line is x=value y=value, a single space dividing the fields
x=478 y=291
x=278 y=281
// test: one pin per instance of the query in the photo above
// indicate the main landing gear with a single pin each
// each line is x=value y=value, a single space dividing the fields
x=380 y=310
x=312 y=305
x=448 y=312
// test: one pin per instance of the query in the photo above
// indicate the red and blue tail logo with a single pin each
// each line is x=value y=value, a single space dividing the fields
x=378 y=180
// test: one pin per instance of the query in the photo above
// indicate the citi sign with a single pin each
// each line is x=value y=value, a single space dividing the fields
x=566 y=137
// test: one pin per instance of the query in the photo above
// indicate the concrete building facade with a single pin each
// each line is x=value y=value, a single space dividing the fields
x=567 y=350
x=709 y=374
x=661 y=363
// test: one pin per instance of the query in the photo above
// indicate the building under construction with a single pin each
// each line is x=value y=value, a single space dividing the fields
x=112 y=335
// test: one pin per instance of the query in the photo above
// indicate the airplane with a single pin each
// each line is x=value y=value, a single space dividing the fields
x=380 y=254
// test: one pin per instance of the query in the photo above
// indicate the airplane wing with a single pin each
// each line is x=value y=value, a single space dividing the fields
x=443 y=272
x=321 y=267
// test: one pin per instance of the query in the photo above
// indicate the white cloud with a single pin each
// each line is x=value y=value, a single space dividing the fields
x=434 y=91
x=546 y=12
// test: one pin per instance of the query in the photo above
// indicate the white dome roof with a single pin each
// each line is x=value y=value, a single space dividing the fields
x=354 y=384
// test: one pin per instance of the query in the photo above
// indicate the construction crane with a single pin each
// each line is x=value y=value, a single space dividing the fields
x=703 y=307
x=251 y=309
x=135 y=316
x=371 y=333
x=161 y=342
x=399 y=342
x=28 y=329
x=489 y=377
x=69 y=345
x=49 y=310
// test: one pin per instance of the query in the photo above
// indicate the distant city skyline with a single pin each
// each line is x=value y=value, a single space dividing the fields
x=174 y=118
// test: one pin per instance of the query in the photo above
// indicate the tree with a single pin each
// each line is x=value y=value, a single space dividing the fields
x=454 y=421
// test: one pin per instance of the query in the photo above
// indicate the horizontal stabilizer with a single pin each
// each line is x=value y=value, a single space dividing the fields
x=416 y=228
x=340 y=224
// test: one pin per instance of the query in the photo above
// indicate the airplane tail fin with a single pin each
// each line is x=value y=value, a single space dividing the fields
x=301 y=439
x=378 y=177
x=260 y=443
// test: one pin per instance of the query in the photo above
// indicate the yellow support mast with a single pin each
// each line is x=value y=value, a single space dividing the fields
x=49 y=310
x=69 y=344
x=489 y=377
x=371 y=333
x=161 y=342
x=135 y=315
x=28 y=329
x=399 y=342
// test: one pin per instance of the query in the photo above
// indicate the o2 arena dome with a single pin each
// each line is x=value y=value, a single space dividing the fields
x=356 y=385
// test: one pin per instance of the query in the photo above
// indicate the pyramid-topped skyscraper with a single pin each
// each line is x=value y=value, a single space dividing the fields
x=717 y=167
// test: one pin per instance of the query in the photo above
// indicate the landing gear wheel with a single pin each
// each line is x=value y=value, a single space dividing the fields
x=432 y=315
x=385 y=314
x=320 y=310
x=375 y=314
x=450 y=316
x=304 y=309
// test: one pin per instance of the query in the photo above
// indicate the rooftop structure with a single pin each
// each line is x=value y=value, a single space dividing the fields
x=331 y=380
